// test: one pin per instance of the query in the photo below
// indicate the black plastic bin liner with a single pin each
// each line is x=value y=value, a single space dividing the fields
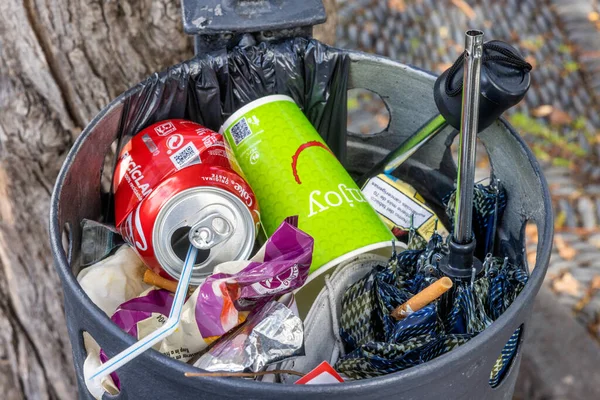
x=212 y=86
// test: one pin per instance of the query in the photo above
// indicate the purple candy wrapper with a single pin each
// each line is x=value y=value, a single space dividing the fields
x=135 y=310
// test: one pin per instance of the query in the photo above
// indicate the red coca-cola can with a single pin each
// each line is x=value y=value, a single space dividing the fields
x=175 y=184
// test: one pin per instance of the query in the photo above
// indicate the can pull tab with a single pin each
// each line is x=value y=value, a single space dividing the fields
x=210 y=231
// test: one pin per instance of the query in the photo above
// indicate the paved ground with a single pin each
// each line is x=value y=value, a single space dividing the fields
x=559 y=117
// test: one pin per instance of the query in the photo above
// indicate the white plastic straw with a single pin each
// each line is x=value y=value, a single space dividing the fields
x=167 y=329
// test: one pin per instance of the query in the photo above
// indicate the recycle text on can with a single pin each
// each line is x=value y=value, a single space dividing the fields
x=174 y=184
x=293 y=172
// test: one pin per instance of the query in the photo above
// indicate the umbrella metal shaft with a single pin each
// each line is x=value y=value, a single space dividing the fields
x=463 y=217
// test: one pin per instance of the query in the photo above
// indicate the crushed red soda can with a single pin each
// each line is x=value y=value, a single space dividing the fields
x=175 y=184
x=225 y=298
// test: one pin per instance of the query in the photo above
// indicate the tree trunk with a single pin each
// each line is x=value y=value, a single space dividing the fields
x=326 y=32
x=61 y=61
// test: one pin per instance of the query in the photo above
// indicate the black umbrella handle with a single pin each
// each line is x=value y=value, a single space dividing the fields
x=505 y=79
x=504 y=82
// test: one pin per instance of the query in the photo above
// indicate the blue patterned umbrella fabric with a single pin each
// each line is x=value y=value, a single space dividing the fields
x=377 y=344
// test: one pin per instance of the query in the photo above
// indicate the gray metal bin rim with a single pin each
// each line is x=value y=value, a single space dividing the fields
x=409 y=377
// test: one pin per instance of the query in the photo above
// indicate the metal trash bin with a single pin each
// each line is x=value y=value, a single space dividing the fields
x=461 y=373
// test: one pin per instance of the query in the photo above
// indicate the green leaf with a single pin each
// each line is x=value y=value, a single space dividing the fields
x=414 y=43
x=540 y=154
x=580 y=123
x=353 y=103
x=561 y=162
x=564 y=48
x=547 y=136
x=571 y=66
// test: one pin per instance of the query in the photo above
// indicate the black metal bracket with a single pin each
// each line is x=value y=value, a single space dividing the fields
x=219 y=23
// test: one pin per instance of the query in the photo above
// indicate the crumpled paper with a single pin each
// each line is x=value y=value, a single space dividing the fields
x=114 y=280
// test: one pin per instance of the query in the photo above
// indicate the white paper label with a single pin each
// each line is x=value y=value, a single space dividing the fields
x=394 y=205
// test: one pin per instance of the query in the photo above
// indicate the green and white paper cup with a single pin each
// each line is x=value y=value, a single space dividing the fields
x=293 y=172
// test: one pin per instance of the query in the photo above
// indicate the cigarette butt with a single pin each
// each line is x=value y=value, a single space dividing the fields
x=152 y=278
x=423 y=298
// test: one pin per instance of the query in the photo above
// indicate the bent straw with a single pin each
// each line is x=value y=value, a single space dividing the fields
x=167 y=329
x=423 y=298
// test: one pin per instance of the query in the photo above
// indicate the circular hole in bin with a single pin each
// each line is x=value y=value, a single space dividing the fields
x=483 y=168
x=106 y=176
x=108 y=386
x=368 y=114
x=108 y=168
x=180 y=245
x=531 y=242
x=66 y=239
x=506 y=358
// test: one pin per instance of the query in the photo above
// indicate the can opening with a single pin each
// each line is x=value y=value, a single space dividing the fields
x=180 y=243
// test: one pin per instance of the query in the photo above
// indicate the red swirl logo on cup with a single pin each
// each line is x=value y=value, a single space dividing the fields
x=300 y=149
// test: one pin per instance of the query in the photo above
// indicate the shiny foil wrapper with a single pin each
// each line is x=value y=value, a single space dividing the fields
x=269 y=336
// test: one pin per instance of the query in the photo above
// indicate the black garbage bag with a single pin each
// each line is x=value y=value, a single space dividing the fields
x=214 y=85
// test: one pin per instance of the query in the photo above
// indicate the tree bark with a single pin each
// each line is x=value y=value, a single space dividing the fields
x=61 y=61
x=326 y=32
